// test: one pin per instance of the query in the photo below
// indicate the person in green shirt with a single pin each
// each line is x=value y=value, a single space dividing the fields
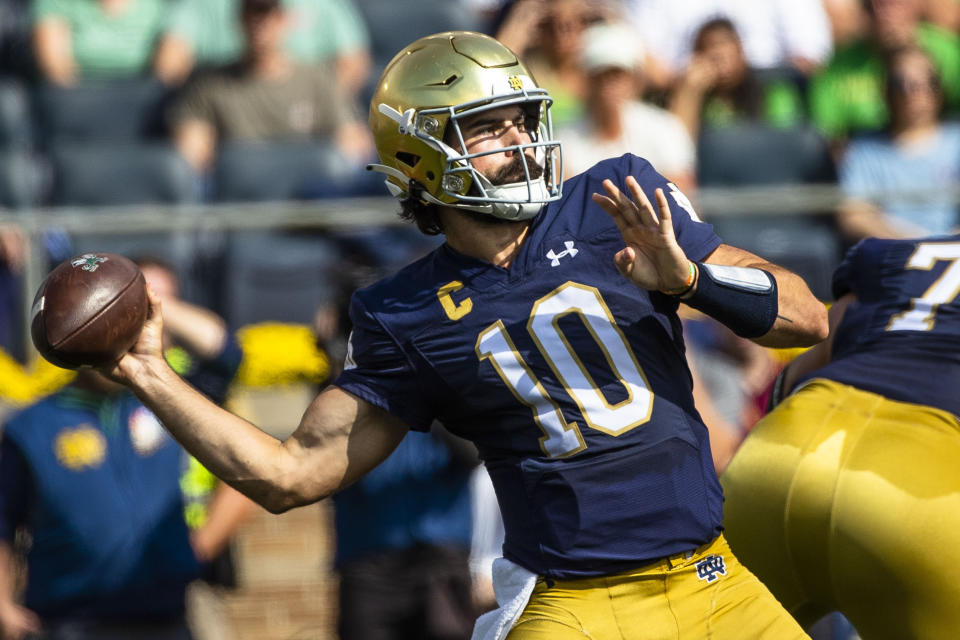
x=847 y=96
x=720 y=89
x=206 y=33
x=76 y=40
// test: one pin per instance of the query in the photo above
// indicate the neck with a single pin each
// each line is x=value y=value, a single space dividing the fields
x=607 y=122
x=496 y=242
x=906 y=134
x=270 y=65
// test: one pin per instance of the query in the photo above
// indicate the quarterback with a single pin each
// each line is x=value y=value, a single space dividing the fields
x=545 y=331
x=846 y=497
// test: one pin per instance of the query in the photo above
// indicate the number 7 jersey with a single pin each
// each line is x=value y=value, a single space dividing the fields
x=571 y=381
x=901 y=337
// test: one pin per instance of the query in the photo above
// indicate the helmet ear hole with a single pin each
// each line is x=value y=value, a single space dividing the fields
x=409 y=159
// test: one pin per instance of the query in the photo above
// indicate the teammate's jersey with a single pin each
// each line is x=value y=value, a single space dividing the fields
x=571 y=381
x=901 y=338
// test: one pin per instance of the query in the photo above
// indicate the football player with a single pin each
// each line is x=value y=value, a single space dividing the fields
x=545 y=331
x=846 y=497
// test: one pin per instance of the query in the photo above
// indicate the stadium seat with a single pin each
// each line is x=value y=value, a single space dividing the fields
x=21 y=179
x=750 y=155
x=16 y=125
x=127 y=174
x=261 y=171
x=395 y=24
x=277 y=276
x=758 y=155
x=115 y=111
x=113 y=174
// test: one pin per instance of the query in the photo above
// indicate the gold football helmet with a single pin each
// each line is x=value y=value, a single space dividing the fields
x=423 y=95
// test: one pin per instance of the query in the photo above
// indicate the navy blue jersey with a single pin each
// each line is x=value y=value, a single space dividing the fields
x=571 y=381
x=901 y=338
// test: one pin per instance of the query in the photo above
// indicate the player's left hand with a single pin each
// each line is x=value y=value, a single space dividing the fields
x=652 y=259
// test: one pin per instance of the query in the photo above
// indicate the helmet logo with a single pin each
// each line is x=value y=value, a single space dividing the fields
x=515 y=83
x=453 y=183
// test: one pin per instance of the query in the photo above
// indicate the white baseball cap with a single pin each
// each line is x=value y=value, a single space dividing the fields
x=611 y=45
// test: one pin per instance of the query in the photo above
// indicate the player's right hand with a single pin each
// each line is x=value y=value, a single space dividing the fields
x=147 y=351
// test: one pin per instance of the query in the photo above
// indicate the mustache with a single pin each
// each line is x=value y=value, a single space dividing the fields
x=513 y=171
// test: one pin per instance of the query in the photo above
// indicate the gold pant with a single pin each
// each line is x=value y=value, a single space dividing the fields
x=843 y=500
x=687 y=596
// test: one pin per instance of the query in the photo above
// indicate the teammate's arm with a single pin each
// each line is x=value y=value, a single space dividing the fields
x=339 y=439
x=818 y=355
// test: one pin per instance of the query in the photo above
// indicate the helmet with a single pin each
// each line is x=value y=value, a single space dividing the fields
x=423 y=95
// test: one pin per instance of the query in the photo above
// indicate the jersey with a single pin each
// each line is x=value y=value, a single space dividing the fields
x=905 y=322
x=571 y=381
x=96 y=480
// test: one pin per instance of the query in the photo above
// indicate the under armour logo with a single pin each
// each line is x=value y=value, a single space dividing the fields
x=709 y=567
x=569 y=251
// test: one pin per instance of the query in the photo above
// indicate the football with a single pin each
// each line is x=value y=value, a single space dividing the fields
x=89 y=310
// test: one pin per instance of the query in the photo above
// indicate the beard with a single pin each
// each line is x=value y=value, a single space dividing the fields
x=513 y=171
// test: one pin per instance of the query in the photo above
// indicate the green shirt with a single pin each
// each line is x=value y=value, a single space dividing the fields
x=848 y=95
x=107 y=44
x=319 y=29
x=781 y=106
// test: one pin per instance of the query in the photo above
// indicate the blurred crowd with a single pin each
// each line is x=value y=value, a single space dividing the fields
x=129 y=102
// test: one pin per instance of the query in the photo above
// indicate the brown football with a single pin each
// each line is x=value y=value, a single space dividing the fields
x=89 y=310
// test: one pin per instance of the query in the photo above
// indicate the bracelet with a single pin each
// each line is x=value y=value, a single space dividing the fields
x=691 y=278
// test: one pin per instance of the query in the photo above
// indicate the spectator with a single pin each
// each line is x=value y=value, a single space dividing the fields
x=848 y=20
x=918 y=154
x=616 y=122
x=776 y=34
x=95 y=479
x=267 y=96
x=720 y=88
x=846 y=96
x=13 y=255
x=80 y=39
x=546 y=35
x=208 y=33
x=945 y=13
x=403 y=544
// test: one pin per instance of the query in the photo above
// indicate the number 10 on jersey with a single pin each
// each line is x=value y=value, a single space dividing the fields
x=562 y=438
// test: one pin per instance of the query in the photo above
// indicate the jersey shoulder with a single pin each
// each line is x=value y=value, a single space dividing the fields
x=875 y=266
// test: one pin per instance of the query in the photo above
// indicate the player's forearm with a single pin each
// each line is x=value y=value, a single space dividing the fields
x=801 y=318
x=253 y=462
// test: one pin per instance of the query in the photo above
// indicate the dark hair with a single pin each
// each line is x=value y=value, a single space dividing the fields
x=425 y=215
x=892 y=76
x=747 y=97
x=720 y=23
x=259 y=7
